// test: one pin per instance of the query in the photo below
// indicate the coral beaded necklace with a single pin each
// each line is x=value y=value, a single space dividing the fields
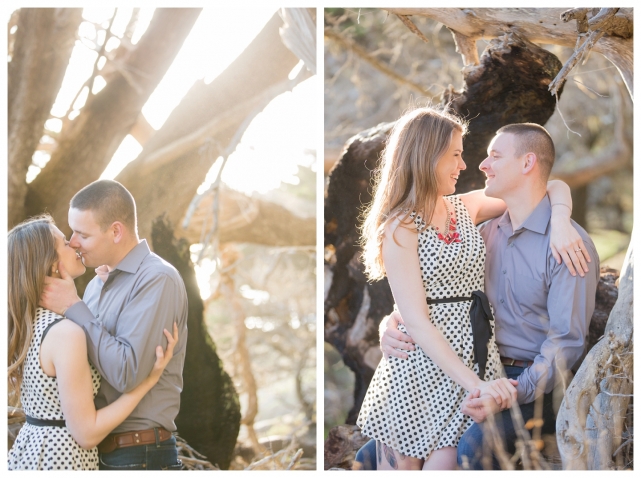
x=450 y=227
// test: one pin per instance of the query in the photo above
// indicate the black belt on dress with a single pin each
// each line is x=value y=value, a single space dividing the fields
x=480 y=316
x=39 y=422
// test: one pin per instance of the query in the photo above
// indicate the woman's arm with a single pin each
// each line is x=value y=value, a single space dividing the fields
x=403 y=272
x=565 y=241
x=481 y=207
x=87 y=425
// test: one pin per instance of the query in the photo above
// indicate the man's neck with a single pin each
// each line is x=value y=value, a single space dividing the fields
x=122 y=253
x=521 y=204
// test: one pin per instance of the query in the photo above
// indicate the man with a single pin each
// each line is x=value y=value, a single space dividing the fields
x=123 y=318
x=542 y=308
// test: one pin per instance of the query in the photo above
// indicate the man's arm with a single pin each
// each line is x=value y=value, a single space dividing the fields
x=127 y=357
x=392 y=339
x=570 y=307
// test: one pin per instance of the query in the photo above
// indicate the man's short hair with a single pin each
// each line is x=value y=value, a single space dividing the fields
x=533 y=138
x=109 y=201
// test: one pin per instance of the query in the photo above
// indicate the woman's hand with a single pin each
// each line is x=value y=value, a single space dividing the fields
x=567 y=245
x=163 y=358
x=502 y=390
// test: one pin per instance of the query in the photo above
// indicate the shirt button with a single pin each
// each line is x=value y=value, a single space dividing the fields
x=502 y=301
x=504 y=271
x=97 y=316
x=512 y=245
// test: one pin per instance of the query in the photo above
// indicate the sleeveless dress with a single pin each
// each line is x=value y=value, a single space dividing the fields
x=411 y=405
x=50 y=447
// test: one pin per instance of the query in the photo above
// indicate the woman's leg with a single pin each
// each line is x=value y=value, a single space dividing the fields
x=389 y=459
x=441 y=459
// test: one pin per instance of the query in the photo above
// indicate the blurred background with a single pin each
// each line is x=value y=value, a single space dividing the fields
x=375 y=67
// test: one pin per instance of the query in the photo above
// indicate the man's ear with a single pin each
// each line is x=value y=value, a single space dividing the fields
x=529 y=162
x=118 y=231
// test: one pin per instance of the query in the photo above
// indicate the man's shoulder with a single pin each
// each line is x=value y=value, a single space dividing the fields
x=490 y=225
x=583 y=233
x=154 y=265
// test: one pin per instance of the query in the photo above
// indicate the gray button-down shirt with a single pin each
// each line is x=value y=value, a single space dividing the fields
x=124 y=320
x=542 y=312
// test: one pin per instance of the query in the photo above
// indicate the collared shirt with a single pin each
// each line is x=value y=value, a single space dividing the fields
x=542 y=312
x=124 y=320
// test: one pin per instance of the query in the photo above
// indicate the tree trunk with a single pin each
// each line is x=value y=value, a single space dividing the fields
x=209 y=417
x=41 y=51
x=590 y=421
x=539 y=25
x=354 y=307
x=86 y=147
x=210 y=115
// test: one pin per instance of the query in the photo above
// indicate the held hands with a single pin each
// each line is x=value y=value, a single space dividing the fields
x=393 y=339
x=163 y=358
x=490 y=398
x=567 y=245
x=59 y=294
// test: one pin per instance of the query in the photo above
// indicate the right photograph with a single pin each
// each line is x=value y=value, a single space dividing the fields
x=478 y=257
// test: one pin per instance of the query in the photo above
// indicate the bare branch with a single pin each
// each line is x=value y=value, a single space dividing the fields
x=466 y=46
x=413 y=28
x=380 y=66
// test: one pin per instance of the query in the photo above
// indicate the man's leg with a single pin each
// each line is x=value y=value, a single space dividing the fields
x=366 y=457
x=470 y=449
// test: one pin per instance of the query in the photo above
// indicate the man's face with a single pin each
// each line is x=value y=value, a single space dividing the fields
x=502 y=168
x=94 y=245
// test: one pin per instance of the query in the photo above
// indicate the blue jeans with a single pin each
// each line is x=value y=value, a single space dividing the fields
x=470 y=448
x=163 y=455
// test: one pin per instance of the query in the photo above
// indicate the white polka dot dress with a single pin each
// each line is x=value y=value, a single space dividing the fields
x=411 y=405
x=50 y=447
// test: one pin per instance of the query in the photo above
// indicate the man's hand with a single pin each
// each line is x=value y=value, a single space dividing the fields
x=59 y=294
x=478 y=406
x=392 y=338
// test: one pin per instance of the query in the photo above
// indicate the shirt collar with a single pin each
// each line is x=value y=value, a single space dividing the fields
x=537 y=221
x=132 y=261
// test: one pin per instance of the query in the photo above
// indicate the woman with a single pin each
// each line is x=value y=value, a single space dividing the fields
x=48 y=366
x=412 y=407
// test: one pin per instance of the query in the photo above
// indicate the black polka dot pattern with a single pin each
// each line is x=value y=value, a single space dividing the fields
x=411 y=405
x=47 y=448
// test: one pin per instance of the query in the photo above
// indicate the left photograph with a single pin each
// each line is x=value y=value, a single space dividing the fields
x=162 y=238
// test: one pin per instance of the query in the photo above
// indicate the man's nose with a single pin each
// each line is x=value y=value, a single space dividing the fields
x=73 y=241
x=483 y=166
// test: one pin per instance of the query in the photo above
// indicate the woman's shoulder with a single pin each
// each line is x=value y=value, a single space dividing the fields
x=66 y=332
x=402 y=229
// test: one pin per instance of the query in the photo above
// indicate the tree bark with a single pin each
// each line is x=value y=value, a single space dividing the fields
x=590 y=421
x=539 y=25
x=209 y=417
x=86 y=147
x=41 y=51
x=508 y=86
x=258 y=75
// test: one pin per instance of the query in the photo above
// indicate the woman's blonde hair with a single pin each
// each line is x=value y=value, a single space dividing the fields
x=32 y=253
x=405 y=180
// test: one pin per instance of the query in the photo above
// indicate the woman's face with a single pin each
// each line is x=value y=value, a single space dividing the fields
x=450 y=165
x=67 y=255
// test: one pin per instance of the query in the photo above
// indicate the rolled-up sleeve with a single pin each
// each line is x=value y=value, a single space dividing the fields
x=570 y=306
x=126 y=357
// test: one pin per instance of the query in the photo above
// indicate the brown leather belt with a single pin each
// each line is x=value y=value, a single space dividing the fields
x=516 y=363
x=139 y=437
